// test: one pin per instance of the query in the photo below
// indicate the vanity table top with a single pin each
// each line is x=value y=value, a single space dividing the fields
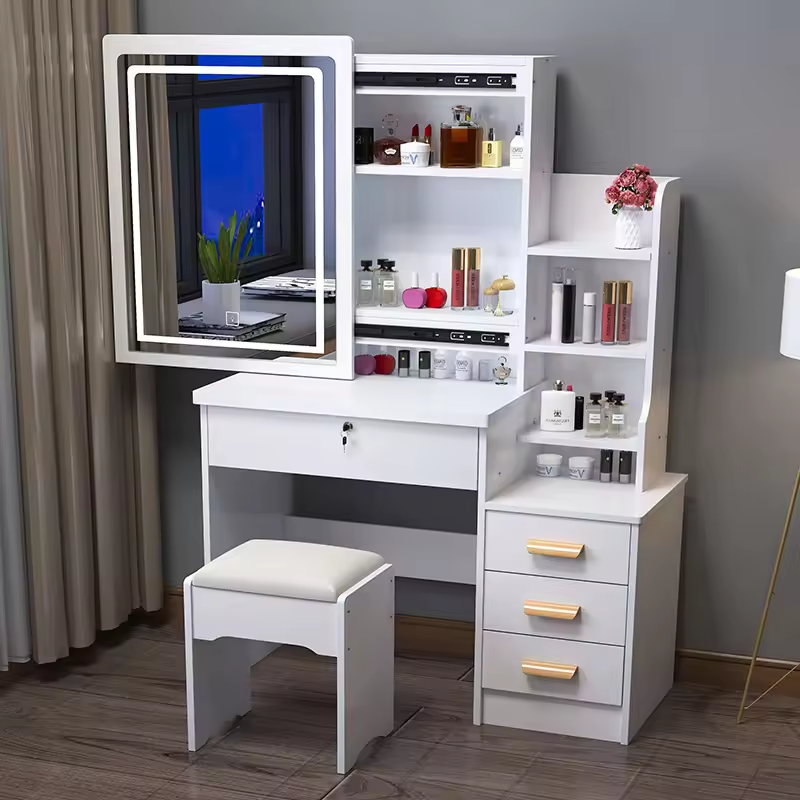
x=437 y=402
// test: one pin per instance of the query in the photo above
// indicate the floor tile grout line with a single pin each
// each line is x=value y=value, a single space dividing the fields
x=394 y=733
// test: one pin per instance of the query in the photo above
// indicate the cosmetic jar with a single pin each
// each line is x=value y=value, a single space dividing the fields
x=581 y=468
x=548 y=465
x=415 y=154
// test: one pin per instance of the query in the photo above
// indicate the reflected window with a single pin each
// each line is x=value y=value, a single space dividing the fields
x=235 y=148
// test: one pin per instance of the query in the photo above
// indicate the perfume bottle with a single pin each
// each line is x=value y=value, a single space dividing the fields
x=414 y=297
x=558 y=409
x=517 y=150
x=435 y=296
x=460 y=140
x=618 y=429
x=387 y=148
x=594 y=417
x=492 y=155
x=388 y=287
x=366 y=285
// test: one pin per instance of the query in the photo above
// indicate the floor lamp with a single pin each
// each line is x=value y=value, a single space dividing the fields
x=790 y=346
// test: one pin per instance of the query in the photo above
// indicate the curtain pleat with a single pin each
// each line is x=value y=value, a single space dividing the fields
x=90 y=556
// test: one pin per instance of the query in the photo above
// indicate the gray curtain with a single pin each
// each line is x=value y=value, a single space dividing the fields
x=87 y=425
x=15 y=639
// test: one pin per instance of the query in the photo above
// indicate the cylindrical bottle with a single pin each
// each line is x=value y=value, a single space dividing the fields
x=440 y=367
x=403 y=363
x=589 y=317
x=624 y=312
x=579 y=412
x=606 y=465
x=463 y=366
x=473 y=278
x=625 y=466
x=557 y=306
x=568 y=314
x=609 y=319
x=424 y=364
x=459 y=265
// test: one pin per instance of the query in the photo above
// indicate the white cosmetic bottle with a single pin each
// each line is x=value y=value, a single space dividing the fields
x=589 y=317
x=463 y=366
x=441 y=369
x=558 y=410
x=557 y=306
x=517 y=150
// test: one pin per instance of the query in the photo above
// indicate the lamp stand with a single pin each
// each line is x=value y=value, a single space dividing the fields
x=770 y=594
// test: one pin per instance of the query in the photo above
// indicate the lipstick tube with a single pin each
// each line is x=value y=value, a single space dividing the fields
x=473 y=278
x=624 y=312
x=609 y=318
x=457 y=282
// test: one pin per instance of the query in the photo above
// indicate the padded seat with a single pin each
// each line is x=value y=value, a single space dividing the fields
x=288 y=569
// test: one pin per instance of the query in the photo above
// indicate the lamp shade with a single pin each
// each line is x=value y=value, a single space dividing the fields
x=790 y=328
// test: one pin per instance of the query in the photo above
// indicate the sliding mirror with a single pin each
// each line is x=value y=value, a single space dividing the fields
x=230 y=175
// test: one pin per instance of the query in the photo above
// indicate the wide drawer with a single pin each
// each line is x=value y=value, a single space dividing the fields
x=562 y=609
x=309 y=444
x=533 y=664
x=557 y=547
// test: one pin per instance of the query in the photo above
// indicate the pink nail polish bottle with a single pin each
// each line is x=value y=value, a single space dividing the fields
x=414 y=297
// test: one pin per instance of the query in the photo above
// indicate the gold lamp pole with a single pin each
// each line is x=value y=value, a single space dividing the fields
x=790 y=346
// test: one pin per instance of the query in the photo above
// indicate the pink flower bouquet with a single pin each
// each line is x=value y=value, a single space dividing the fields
x=634 y=187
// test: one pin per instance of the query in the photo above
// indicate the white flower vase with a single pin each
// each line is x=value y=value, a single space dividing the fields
x=629 y=228
x=222 y=303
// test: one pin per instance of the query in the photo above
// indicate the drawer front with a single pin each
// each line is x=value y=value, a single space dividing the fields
x=591 y=673
x=308 y=444
x=562 y=609
x=564 y=548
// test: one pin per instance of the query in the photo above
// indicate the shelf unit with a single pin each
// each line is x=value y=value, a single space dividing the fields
x=595 y=250
x=637 y=350
x=579 y=439
x=436 y=171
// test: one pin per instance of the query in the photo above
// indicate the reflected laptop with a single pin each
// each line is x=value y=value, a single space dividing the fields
x=286 y=287
x=244 y=326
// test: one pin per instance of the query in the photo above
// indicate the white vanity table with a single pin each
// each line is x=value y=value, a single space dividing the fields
x=576 y=582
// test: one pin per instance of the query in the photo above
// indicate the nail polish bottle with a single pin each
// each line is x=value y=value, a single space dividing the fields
x=414 y=297
x=403 y=363
x=435 y=296
x=606 y=465
x=384 y=363
x=609 y=319
x=424 y=363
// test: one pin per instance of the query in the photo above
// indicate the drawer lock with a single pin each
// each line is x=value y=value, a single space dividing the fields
x=540 y=547
x=544 y=669
x=533 y=608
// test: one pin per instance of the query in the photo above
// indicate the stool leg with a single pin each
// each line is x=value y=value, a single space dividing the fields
x=365 y=666
x=217 y=682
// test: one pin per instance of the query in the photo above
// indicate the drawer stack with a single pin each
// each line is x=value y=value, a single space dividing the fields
x=555 y=607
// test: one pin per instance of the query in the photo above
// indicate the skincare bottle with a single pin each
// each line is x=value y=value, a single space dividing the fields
x=609 y=318
x=403 y=363
x=557 y=305
x=606 y=465
x=492 y=155
x=366 y=285
x=414 y=297
x=424 y=363
x=458 y=274
x=568 y=312
x=625 y=466
x=589 y=317
x=389 y=290
x=473 y=282
x=558 y=409
x=463 y=366
x=441 y=368
x=624 y=310
x=594 y=417
x=435 y=297
x=618 y=428
x=517 y=150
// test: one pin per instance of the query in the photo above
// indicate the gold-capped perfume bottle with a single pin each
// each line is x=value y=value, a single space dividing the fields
x=387 y=148
x=492 y=151
x=460 y=140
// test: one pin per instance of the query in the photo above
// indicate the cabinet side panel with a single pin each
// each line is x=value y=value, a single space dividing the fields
x=652 y=611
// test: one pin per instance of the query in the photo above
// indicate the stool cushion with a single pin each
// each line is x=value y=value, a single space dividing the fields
x=288 y=569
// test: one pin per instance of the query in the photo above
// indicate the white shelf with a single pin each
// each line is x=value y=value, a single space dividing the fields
x=635 y=350
x=610 y=502
x=599 y=250
x=405 y=344
x=579 y=439
x=499 y=173
x=436 y=318
x=436 y=91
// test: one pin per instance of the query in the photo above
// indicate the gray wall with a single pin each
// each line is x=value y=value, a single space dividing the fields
x=704 y=89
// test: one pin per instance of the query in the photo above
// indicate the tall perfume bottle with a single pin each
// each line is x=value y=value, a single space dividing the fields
x=460 y=140
x=387 y=148
x=388 y=286
x=594 y=417
x=366 y=285
x=558 y=409
x=618 y=428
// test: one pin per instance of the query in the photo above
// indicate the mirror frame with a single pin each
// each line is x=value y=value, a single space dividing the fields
x=337 y=48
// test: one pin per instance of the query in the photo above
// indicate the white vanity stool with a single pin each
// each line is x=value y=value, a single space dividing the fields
x=333 y=600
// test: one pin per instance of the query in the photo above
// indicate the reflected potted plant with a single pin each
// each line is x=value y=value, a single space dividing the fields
x=220 y=260
x=631 y=194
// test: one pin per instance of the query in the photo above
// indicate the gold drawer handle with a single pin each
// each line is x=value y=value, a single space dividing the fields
x=543 y=669
x=540 y=547
x=533 y=608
